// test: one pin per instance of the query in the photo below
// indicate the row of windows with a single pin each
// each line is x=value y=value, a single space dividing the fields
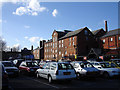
x=111 y=39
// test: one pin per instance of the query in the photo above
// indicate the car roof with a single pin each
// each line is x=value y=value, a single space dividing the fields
x=7 y=61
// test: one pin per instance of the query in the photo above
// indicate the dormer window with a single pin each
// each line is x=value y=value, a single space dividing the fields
x=86 y=32
x=103 y=41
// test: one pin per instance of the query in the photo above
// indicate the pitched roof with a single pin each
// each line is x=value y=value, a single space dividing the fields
x=72 y=33
x=96 y=31
x=112 y=32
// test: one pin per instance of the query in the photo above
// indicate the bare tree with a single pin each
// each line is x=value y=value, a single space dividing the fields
x=2 y=44
x=16 y=49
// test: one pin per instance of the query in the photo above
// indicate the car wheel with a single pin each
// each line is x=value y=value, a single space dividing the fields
x=78 y=75
x=106 y=75
x=37 y=74
x=49 y=79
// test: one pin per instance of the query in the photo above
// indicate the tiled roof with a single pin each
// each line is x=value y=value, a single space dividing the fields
x=72 y=33
x=96 y=31
x=112 y=32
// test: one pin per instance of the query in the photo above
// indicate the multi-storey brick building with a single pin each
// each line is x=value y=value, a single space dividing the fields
x=69 y=44
x=111 y=40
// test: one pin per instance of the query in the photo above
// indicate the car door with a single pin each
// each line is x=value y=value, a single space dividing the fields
x=47 y=70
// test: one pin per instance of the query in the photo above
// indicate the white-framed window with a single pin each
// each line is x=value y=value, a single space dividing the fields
x=45 y=45
x=62 y=41
x=111 y=39
x=119 y=38
x=53 y=55
x=54 y=33
x=59 y=46
x=53 y=45
x=56 y=55
x=59 y=52
x=70 y=44
x=65 y=52
x=56 y=51
x=73 y=44
x=103 y=40
x=73 y=38
x=62 y=55
x=62 y=45
x=59 y=41
x=45 y=50
x=69 y=39
x=53 y=51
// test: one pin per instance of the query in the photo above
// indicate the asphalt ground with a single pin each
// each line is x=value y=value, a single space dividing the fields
x=24 y=82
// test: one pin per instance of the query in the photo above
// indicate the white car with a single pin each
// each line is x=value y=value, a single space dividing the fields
x=10 y=68
x=105 y=69
x=84 y=68
x=57 y=71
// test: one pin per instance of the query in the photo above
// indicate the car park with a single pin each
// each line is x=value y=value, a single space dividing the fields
x=105 y=70
x=57 y=71
x=17 y=62
x=84 y=69
x=5 y=79
x=10 y=68
x=28 y=67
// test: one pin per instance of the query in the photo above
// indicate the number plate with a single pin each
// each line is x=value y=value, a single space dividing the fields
x=66 y=73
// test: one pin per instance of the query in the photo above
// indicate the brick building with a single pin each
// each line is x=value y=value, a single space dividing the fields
x=69 y=43
x=39 y=51
x=111 y=41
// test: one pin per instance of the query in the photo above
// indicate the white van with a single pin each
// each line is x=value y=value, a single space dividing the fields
x=57 y=71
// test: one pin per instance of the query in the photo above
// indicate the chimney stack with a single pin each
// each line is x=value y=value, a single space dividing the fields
x=106 y=28
x=32 y=47
x=41 y=44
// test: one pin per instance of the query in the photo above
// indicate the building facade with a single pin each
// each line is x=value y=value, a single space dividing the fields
x=69 y=43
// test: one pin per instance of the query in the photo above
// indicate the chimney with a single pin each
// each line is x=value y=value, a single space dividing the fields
x=41 y=44
x=32 y=47
x=106 y=28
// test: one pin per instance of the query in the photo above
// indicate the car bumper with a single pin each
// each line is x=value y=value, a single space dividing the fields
x=63 y=77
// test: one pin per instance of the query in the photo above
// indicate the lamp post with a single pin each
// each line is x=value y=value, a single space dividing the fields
x=75 y=52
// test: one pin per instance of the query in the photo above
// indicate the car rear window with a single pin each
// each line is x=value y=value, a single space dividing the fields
x=7 y=64
x=31 y=64
x=64 y=66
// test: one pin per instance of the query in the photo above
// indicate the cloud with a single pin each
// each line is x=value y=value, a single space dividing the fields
x=16 y=45
x=32 y=7
x=55 y=12
x=33 y=39
x=26 y=37
x=26 y=26
x=16 y=40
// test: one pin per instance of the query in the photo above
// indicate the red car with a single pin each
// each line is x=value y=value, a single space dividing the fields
x=28 y=67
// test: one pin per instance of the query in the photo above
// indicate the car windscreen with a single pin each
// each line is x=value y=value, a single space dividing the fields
x=105 y=65
x=31 y=64
x=64 y=66
x=86 y=65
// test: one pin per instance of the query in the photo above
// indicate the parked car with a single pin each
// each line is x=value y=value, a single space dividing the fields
x=5 y=79
x=17 y=62
x=57 y=71
x=105 y=70
x=10 y=68
x=84 y=69
x=113 y=64
x=42 y=63
x=28 y=67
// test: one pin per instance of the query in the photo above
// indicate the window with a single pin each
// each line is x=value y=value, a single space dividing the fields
x=45 y=50
x=59 y=42
x=53 y=39
x=54 y=33
x=53 y=51
x=65 y=52
x=118 y=38
x=56 y=55
x=70 y=44
x=56 y=51
x=103 y=41
x=59 y=52
x=59 y=46
x=62 y=55
x=87 y=38
x=111 y=39
x=73 y=38
x=86 y=32
x=53 y=45
x=62 y=41
x=73 y=44
x=62 y=45
x=69 y=39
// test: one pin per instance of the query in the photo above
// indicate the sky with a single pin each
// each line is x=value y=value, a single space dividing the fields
x=26 y=23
